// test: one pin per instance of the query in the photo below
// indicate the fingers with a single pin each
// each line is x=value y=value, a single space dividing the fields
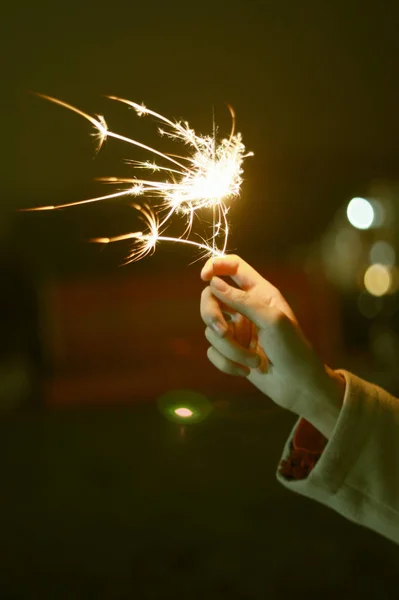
x=252 y=304
x=211 y=312
x=226 y=365
x=241 y=272
x=232 y=351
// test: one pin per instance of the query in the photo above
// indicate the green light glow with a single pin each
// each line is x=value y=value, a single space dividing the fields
x=184 y=405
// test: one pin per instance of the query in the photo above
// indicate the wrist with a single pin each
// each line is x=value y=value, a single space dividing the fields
x=324 y=409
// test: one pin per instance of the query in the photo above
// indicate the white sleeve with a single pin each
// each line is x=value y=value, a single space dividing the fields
x=357 y=474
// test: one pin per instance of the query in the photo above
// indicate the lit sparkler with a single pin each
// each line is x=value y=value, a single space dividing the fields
x=209 y=176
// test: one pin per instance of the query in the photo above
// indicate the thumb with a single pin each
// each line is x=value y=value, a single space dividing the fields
x=250 y=304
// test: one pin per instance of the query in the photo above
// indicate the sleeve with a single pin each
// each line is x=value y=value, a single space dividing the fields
x=356 y=471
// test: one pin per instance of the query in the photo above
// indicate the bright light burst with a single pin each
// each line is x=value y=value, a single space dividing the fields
x=207 y=177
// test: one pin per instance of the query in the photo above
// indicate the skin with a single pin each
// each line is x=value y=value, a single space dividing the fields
x=254 y=333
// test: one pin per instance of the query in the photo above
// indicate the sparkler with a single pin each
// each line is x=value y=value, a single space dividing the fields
x=209 y=176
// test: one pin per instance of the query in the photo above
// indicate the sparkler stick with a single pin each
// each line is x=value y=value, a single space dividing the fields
x=208 y=176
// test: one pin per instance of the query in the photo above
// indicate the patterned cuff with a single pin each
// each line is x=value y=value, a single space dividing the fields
x=306 y=448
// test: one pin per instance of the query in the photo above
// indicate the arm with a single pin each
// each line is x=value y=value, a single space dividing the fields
x=352 y=427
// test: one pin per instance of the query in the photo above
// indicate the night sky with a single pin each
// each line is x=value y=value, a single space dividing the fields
x=314 y=85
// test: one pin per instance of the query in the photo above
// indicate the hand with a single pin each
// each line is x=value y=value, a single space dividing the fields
x=254 y=333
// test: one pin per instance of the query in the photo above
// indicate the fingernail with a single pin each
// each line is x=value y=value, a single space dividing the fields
x=218 y=328
x=219 y=284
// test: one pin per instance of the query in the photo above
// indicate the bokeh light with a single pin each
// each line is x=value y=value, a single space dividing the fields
x=383 y=253
x=348 y=242
x=186 y=406
x=185 y=413
x=380 y=214
x=342 y=253
x=360 y=213
x=378 y=280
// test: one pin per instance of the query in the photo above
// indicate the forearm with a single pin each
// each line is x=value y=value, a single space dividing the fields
x=323 y=407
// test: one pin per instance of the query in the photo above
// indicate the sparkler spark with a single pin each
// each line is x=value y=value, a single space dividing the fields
x=208 y=176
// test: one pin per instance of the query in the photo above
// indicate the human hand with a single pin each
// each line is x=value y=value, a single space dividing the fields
x=254 y=333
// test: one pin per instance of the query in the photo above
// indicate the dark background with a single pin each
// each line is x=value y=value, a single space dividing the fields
x=314 y=86
x=111 y=501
